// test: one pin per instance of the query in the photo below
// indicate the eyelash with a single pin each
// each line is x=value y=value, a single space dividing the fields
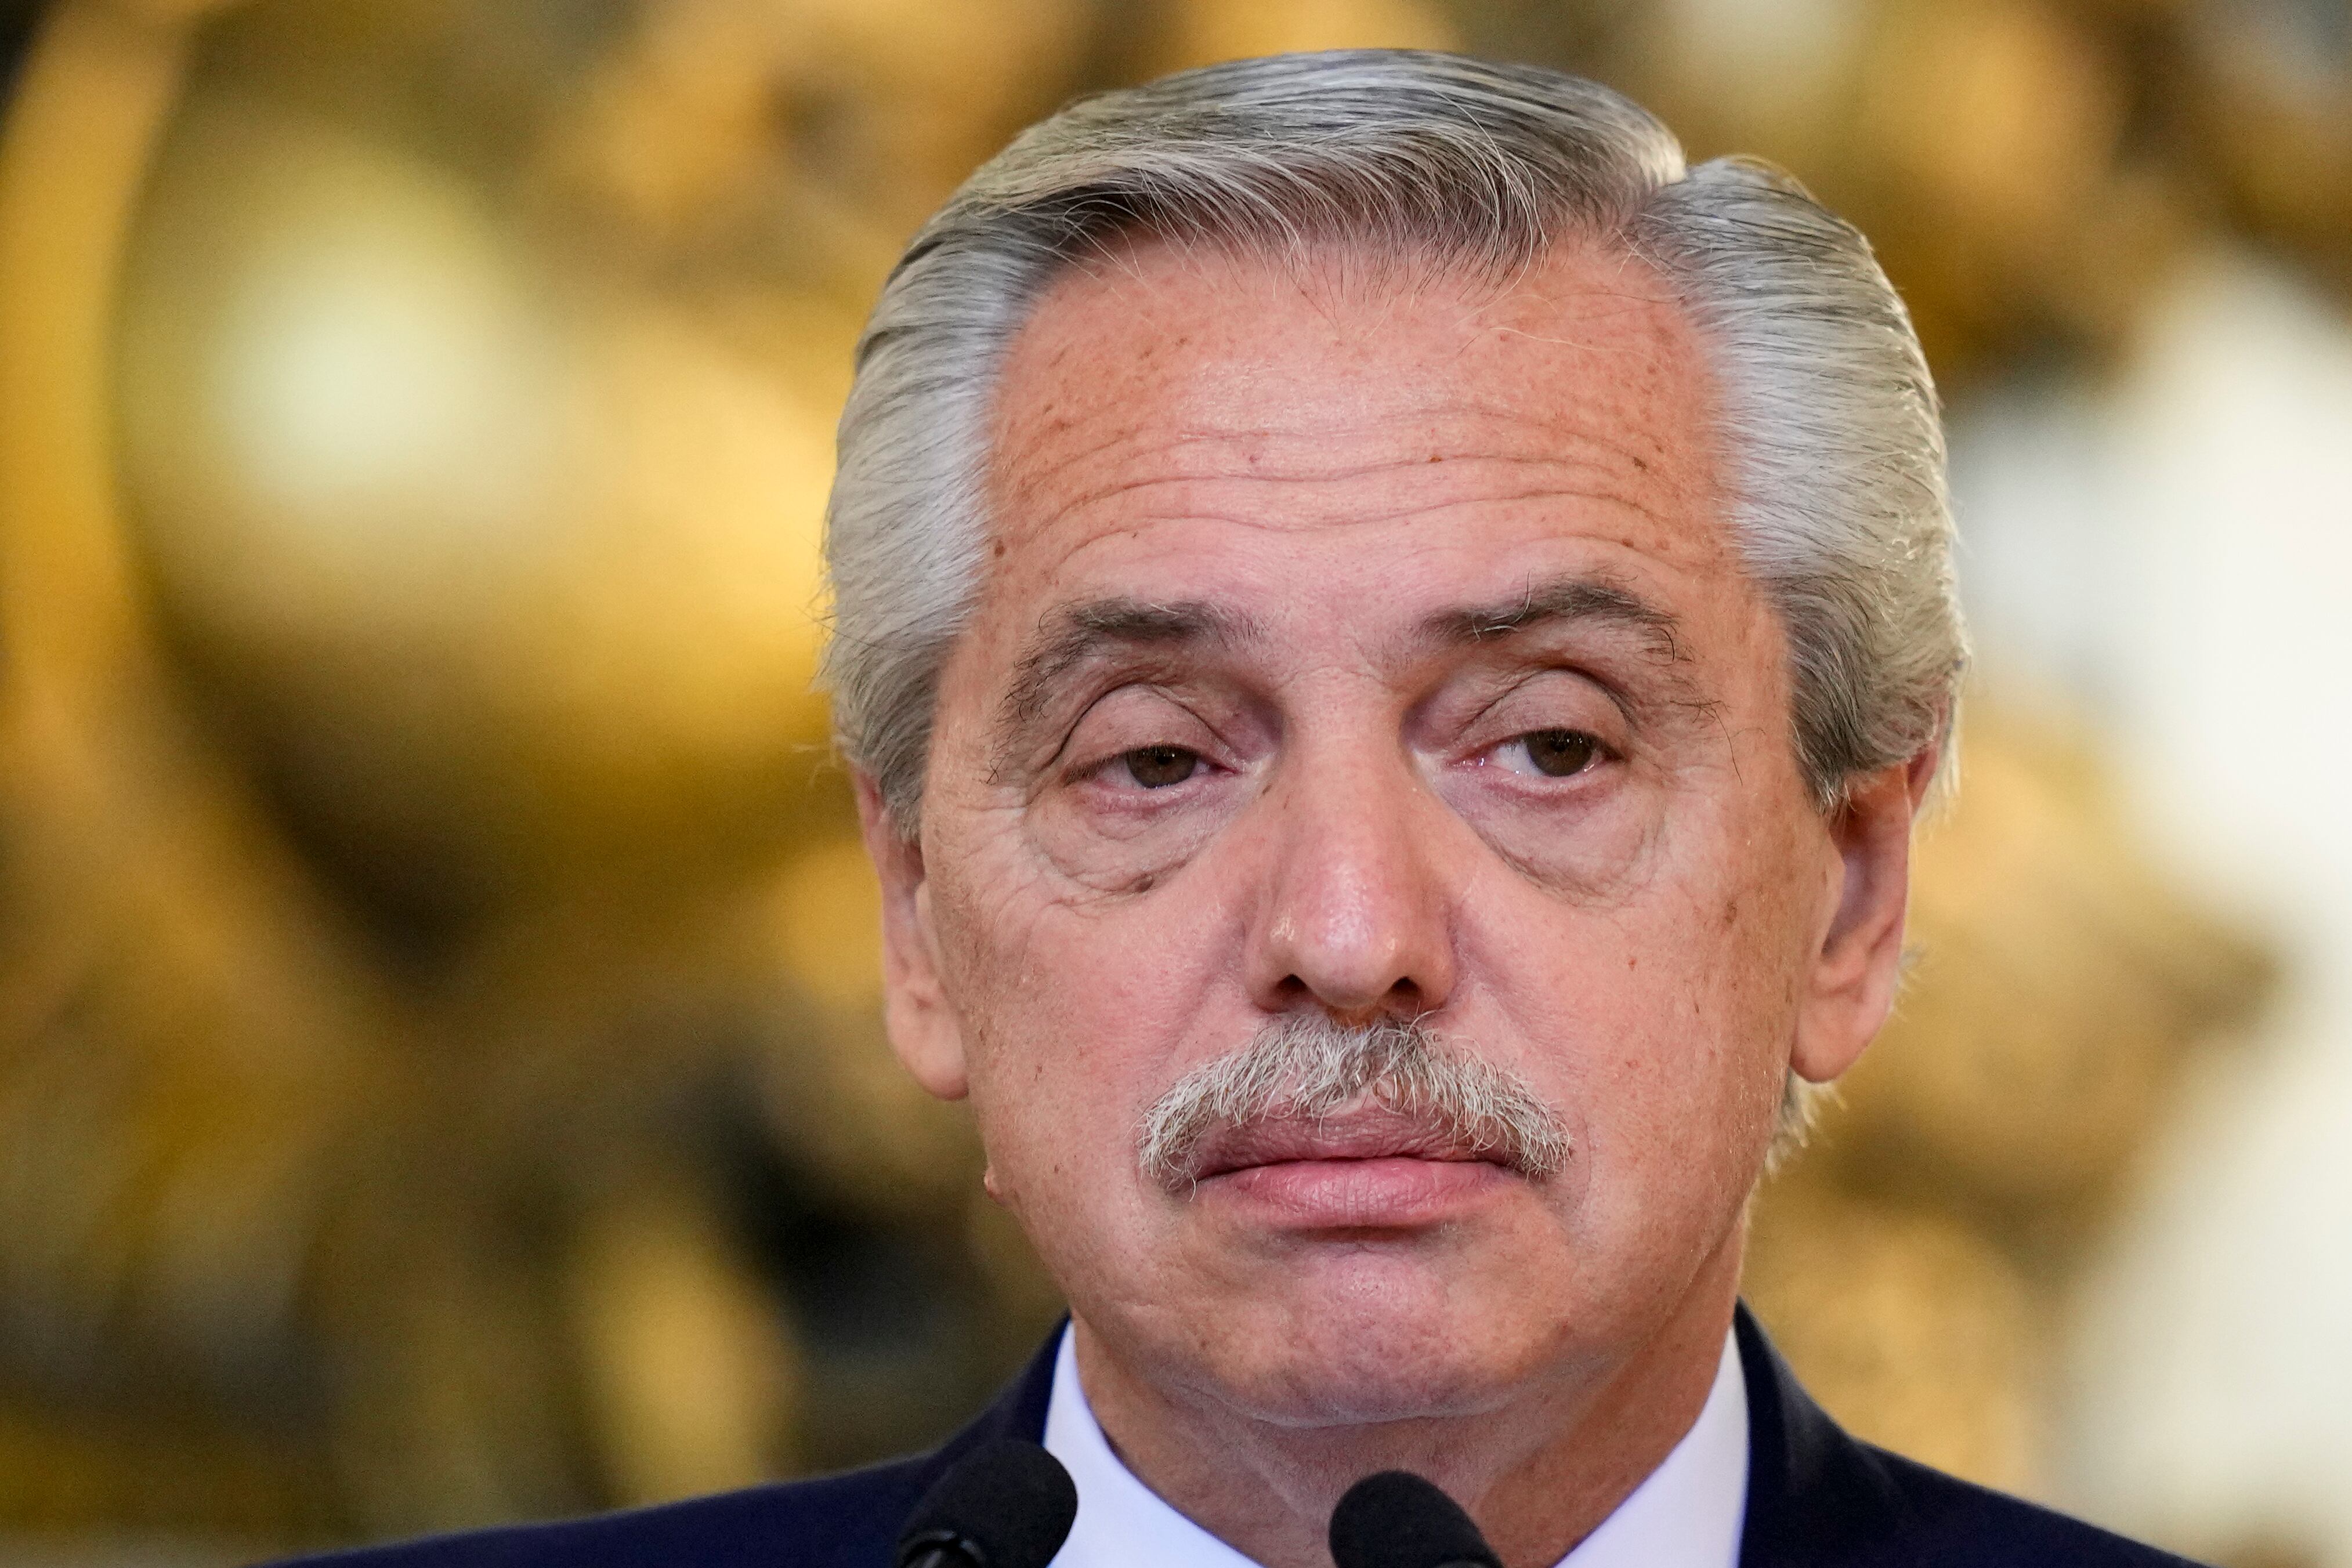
x=1596 y=753
x=1129 y=757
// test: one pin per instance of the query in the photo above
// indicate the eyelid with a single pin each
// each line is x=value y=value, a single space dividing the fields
x=1201 y=738
x=1052 y=727
x=1105 y=769
x=1603 y=751
x=1610 y=729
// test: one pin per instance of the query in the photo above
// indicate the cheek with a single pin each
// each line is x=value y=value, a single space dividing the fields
x=1590 y=853
x=1661 y=1020
x=1725 y=1000
x=1077 y=1010
x=1109 y=844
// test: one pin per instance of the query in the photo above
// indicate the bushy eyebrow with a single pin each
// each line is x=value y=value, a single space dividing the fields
x=1072 y=636
x=1560 y=601
x=1075 y=635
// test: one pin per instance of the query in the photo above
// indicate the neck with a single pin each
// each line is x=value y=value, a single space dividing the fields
x=1539 y=1474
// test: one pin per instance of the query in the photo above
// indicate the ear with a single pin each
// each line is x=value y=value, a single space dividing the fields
x=924 y=1029
x=1854 y=971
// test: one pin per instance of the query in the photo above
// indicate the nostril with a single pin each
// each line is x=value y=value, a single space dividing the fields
x=1403 y=1001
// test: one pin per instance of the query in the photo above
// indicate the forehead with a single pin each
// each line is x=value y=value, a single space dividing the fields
x=1168 y=414
x=1327 y=359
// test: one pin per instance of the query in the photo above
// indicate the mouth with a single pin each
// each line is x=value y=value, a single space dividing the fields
x=1373 y=1170
x=1370 y=1133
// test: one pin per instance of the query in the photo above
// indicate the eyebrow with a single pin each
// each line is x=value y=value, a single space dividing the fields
x=1078 y=634
x=1075 y=635
x=1562 y=600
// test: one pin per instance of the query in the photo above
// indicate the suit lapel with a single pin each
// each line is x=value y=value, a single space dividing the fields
x=1815 y=1497
x=852 y=1520
x=1019 y=1411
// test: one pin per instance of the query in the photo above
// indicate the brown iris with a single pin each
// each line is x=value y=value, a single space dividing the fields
x=1157 y=767
x=1558 y=753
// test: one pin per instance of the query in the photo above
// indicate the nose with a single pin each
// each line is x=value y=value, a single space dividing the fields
x=1355 y=915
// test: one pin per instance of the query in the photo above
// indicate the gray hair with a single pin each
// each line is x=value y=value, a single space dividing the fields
x=1305 y=1066
x=1834 y=446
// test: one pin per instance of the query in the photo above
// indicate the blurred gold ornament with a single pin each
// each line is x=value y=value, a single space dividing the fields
x=2031 y=173
x=684 y=1370
x=440 y=1076
x=2060 y=982
x=846 y=120
x=863 y=1126
x=1912 y=1263
x=1201 y=31
x=1917 y=1332
x=409 y=1113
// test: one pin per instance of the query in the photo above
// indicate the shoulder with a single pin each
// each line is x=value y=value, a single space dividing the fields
x=1947 y=1521
x=1818 y=1499
x=847 y=1521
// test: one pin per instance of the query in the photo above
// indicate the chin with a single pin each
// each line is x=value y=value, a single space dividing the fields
x=1369 y=1355
x=1309 y=1386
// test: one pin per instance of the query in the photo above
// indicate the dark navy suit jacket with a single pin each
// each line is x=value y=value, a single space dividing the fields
x=1816 y=1498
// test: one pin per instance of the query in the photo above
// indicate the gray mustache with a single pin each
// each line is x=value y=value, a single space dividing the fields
x=1308 y=1067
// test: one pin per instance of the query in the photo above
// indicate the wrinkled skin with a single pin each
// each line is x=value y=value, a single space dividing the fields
x=1421 y=679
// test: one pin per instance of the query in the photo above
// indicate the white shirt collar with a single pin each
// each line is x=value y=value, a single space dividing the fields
x=1685 y=1515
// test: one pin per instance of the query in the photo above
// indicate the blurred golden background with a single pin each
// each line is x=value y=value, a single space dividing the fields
x=440 y=1071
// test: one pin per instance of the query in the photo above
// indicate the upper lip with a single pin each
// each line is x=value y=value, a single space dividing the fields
x=1367 y=1133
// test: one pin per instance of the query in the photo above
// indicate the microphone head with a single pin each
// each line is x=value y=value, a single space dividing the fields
x=1006 y=1504
x=1396 y=1520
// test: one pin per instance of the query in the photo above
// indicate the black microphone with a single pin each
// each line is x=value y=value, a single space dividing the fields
x=1006 y=1504
x=1396 y=1520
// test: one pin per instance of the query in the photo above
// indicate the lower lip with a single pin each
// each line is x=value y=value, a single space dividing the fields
x=1389 y=1193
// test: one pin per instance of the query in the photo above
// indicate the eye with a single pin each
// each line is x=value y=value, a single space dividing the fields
x=1159 y=767
x=1553 y=753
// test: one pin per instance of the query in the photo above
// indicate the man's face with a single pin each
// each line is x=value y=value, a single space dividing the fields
x=1366 y=648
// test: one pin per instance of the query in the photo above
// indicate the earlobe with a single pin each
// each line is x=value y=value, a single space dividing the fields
x=924 y=1029
x=1854 y=970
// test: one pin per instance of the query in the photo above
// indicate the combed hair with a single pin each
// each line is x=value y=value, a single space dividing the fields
x=1831 y=438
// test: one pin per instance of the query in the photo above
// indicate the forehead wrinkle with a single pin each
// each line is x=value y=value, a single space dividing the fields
x=1434 y=510
x=1534 y=477
x=1258 y=450
x=1424 y=418
x=1431 y=511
